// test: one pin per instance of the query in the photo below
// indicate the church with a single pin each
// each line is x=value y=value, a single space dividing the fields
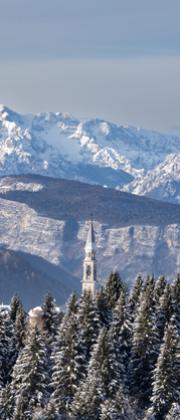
x=89 y=281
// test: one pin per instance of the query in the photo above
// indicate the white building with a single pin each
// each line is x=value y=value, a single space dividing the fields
x=89 y=276
x=36 y=317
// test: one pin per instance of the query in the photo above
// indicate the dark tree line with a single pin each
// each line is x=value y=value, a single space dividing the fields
x=116 y=356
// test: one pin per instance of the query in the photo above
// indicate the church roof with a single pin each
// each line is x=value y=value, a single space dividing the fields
x=90 y=243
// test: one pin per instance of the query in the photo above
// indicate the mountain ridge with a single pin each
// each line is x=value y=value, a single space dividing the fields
x=66 y=196
x=162 y=183
x=94 y=151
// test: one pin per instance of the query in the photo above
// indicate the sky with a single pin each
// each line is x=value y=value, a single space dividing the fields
x=114 y=59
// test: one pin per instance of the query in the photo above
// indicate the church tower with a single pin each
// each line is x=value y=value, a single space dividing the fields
x=89 y=276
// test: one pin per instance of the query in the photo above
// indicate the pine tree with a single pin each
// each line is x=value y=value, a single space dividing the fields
x=145 y=346
x=60 y=337
x=51 y=318
x=149 y=286
x=164 y=311
x=102 y=380
x=166 y=374
x=174 y=412
x=134 y=298
x=125 y=330
x=14 y=307
x=103 y=309
x=113 y=289
x=118 y=407
x=176 y=300
x=20 y=408
x=159 y=289
x=4 y=403
x=20 y=327
x=120 y=336
x=30 y=379
x=48 y=413
x=88 y=323
x=7 y=348
x=17 y=327
x=73 y=304
x=68 y=367
x=109 y=410
x=178 y=365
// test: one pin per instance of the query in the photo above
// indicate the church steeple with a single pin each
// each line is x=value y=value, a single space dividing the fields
x=89 y=276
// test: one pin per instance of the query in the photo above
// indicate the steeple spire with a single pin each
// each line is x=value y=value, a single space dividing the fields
x=89 y=276
x=90 y=243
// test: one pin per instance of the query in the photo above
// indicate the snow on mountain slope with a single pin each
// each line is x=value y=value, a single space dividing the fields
x=23 y=151
x=136 y=149
x=95 y=151
x=162 y=183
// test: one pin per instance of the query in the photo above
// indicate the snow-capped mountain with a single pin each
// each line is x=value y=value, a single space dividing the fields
x=162 y=183
x=134 y=150
x=95 y=151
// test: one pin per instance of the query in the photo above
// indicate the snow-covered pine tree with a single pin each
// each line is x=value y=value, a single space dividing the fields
x=145 y=346
x=17 y=325
x=176 y=300
x=134 y=298
x=15 y=304
x=102 y=380
x=13 y=349
x=149 y=287
x=30 y=378
x=166 y=375
x=113 y=289
x=60 y=338
x=104 y=312
x=51 y=318
x=159 y=289
x=72 y=304
x=125 y=342
x=117 y=408
x=4 y=403
x=178 y=365
x=174 y=412
x=8 y=348
x=120 y=335
x=68 y=367
x=48 y=413
x=109 y=410
x=20 y=327
x=88 y=324
x=164 y=310
x=20 y=409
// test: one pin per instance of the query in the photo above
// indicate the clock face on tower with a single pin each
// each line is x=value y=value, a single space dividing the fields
x=88 y=270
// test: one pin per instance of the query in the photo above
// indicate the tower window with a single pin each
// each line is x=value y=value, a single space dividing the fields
x=88 y=270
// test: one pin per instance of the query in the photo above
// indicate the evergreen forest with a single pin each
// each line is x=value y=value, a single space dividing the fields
x=115 y=356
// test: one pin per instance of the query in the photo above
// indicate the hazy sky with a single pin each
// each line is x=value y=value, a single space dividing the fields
x=115 y=59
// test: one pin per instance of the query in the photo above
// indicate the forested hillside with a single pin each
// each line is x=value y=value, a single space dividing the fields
x=116 y=356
